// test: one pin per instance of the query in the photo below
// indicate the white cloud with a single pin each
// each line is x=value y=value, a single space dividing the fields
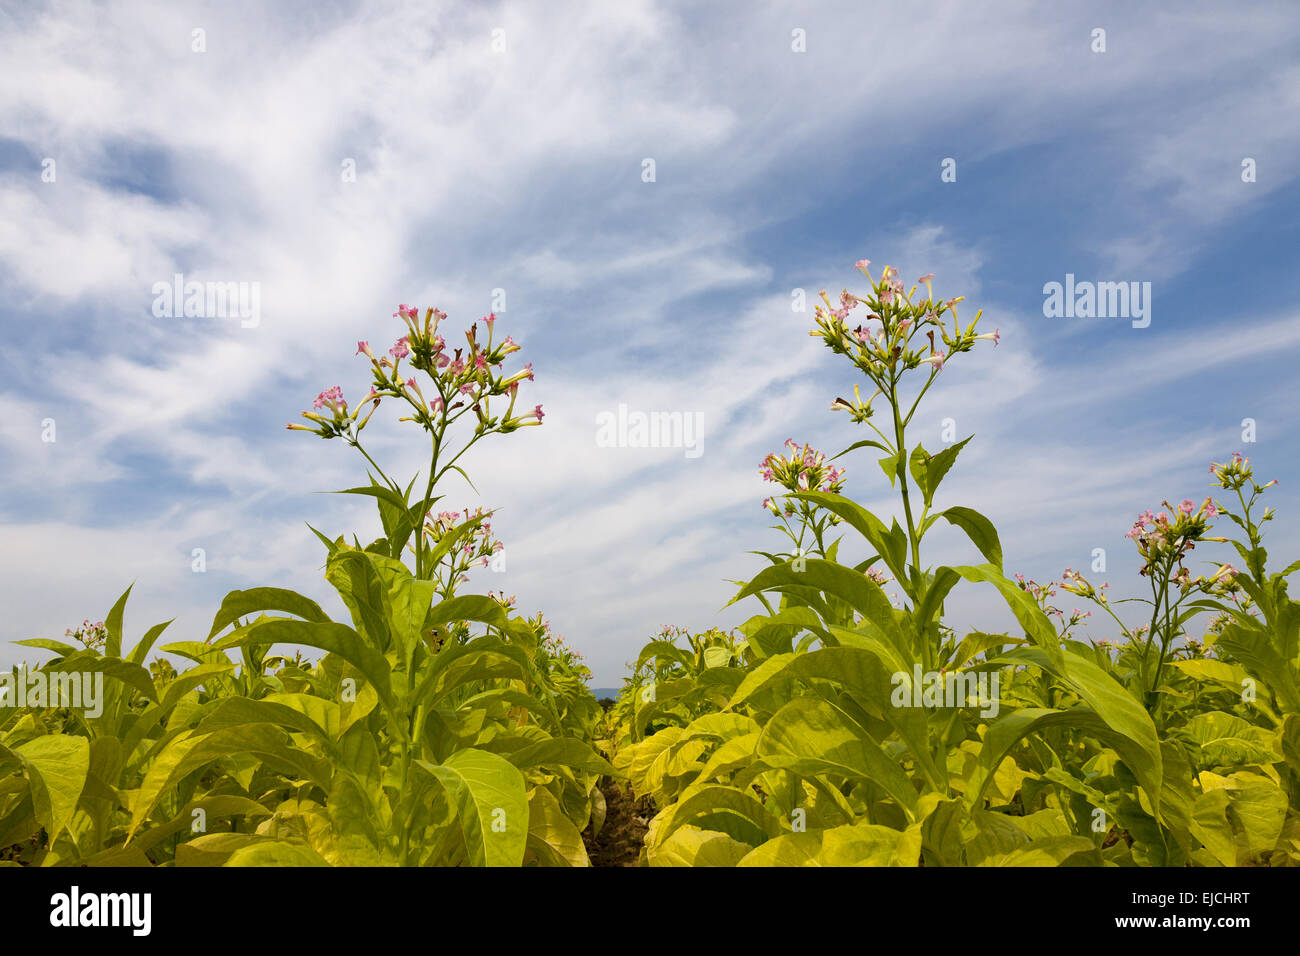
x=522 y=170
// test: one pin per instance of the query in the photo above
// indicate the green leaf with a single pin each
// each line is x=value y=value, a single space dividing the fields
x=861 y=844
x=57 y=767
x=1225 y=740
x=929 y=470
x=981 y=532
x=326 y=635
x=810 y=736
x=113 y=625
x=865 y=443
x=239 y=604
x=45 y=644
x=491 y=802
x=193 y=750
x=147 y=642
x=868 y=676
x=276 y=853
x=889 y=465
x=691 y=846
x=133 y=675
x=561 y=752
x=887 y=545
x=552 y=838
x=1135 y=737
x=855 y=589
x=1038 y=627
x=469 y=607
x=725 y=809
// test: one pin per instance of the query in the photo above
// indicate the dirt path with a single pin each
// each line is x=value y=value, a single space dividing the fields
x=620 y=839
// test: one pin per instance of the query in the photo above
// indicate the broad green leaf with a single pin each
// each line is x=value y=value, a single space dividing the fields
x=866 y=675
x=1049 y=851
x=929 y=470
x=326 y=635
x=980 y=530
x=552 y=837
x=811 y=736
x=239 y=604
x=57 y=766
x=861 y=844
x=692 y=846
x=1136 y=739
x=725 y=809
x=276 y=853
x=891 y=550
x=562 y=752
x=1225 y=740
x=491 y=802
x=192 y=750
x=470 y=607
x=1038 y=627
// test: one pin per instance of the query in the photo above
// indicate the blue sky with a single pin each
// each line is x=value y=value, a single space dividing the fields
x=521 y=170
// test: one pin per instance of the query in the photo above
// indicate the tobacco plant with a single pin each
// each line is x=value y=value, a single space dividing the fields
x=435 y=729
x=864 y=732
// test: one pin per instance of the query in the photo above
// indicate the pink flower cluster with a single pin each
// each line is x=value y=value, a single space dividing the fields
x=90 y=634
x=1234 y=474
x=462 y=378
x=1165 y=537
x=804 y=469
x=1043 y=593
x=879 y=349
x=478 y=545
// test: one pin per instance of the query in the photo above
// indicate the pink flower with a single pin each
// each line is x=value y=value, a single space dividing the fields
x=862 y=264
x=925 y=278
x=937 y=360
x=489 y=319
x=1187 y=506
x=363 y=348
x=331 y=396
x=480 y=362
x=538 y=412
x=400 y=348
x=404 y=310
